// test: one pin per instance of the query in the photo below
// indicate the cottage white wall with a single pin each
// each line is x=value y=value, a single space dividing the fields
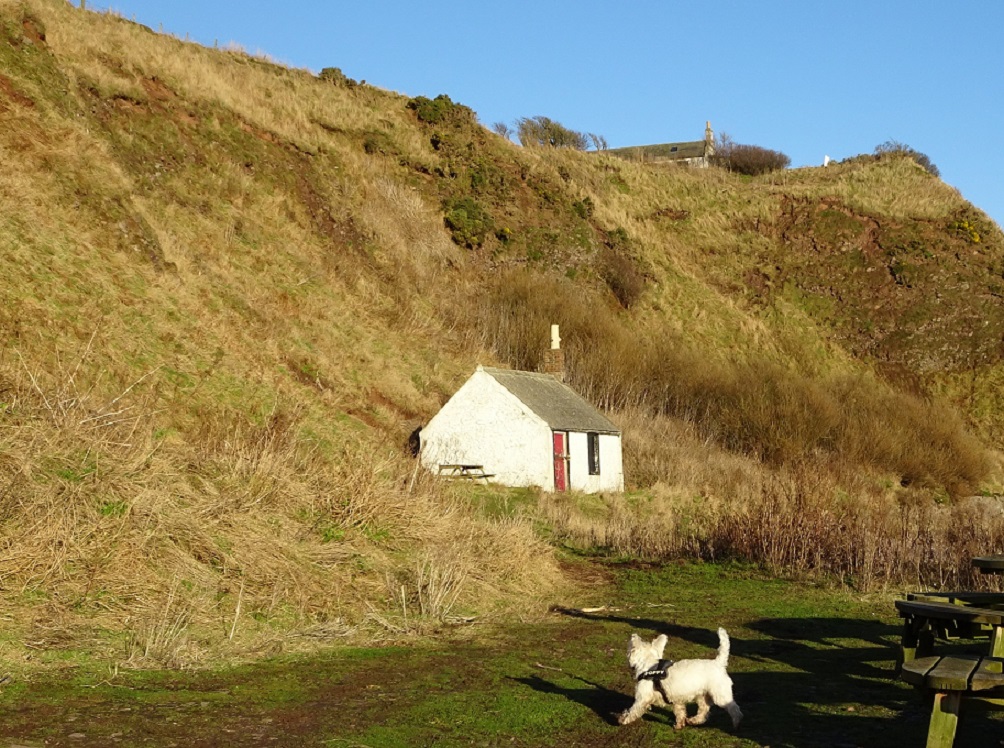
x=611 y=477
x=485 y=424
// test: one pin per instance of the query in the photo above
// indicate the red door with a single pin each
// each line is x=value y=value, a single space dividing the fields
x=560 y=461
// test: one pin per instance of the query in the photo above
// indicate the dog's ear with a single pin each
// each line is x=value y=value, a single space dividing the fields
x=660 y=644
x=635 y=641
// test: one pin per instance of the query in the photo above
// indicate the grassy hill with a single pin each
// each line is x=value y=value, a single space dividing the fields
x=234 y=288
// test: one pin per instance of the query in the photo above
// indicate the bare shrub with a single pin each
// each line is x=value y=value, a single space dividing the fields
x=874 y=538
x=512 y=318
x=751 y=160
x=502 y=130
x=598 y=142
x=780 y=417
x=807 y=519
x=545 y=132
x=894 y=147
x=926 y=444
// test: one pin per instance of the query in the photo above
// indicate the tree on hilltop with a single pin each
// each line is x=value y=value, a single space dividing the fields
x=545 y=132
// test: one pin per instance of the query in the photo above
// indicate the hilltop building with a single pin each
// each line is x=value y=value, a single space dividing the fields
x=524 y=428
x=697 y=153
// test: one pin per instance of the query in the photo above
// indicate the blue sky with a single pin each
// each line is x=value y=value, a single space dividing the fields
x=805 y=77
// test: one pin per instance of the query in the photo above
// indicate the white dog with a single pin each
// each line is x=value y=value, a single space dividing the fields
x=679 y=683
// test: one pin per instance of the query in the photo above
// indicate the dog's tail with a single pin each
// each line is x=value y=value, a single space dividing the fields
x=723 y=648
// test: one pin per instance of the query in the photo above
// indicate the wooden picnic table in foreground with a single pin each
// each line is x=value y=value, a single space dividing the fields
x=951 y=616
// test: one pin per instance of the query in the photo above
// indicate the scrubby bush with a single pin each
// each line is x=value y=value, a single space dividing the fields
x=622 y=277
x=750 y=160
x=619 y=270
x=973 y=225
x=377 y=142
x=965 y=229
x=336 y=77
x=584 y=208
x=468 y=221
x=545 y=132
x=894 y=147
x=439 y=110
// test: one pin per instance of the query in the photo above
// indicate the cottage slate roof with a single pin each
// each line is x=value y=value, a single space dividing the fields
x=555 y=402
x=671 y=151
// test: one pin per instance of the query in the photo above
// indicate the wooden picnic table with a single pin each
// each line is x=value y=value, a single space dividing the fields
x=989 y=564
x=952 y=678
x=924 y=620
x=979 y=599
x=954 y=615
x=465 y=472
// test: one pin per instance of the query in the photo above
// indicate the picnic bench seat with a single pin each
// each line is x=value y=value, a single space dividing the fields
x=950 y=680
x=927 y=619
x=979 y=599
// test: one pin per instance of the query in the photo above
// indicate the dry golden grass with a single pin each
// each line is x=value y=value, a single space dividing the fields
x=282 y=101
x=812 y=519
x=902 y=190
x=231 y=295
x=265 y=532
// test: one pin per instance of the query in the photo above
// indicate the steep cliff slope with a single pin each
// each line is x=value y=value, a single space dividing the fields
x=232 y=289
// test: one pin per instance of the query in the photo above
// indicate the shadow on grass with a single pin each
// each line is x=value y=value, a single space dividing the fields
x=778 y=722
x=801 y=682
x=605 y=702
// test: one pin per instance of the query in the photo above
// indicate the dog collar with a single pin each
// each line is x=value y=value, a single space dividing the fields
x=656 y=673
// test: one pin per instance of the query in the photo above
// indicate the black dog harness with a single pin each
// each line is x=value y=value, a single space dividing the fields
x=656 y=674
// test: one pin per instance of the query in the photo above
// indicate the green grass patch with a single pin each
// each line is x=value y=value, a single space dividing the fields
x=812 y=666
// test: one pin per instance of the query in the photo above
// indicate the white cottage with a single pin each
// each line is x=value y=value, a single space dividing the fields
x=525 y=429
